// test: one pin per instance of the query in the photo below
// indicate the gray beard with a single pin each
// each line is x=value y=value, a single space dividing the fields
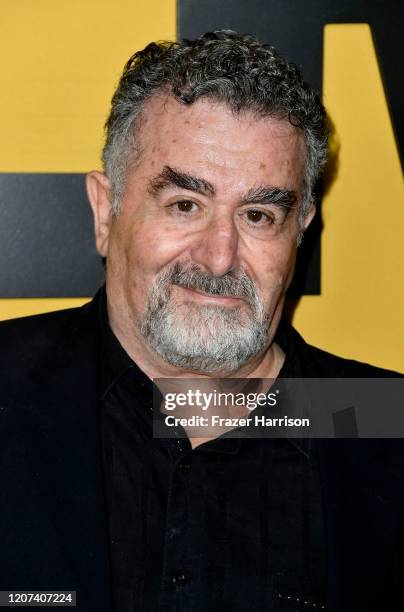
x=206 y=338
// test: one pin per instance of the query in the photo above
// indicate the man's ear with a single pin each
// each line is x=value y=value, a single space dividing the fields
x=99 y=194
x=309 y=216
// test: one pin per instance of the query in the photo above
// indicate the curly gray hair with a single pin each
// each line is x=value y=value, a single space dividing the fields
x=223 y=66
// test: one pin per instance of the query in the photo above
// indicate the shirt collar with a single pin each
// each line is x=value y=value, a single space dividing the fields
x=115 y=360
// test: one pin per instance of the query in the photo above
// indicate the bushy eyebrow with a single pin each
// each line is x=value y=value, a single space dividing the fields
x=285 y=198
x=264 y=194
x=169 y=177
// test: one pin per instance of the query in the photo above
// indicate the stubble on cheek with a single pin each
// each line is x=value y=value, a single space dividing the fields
x=278 y=274
x=122 y=281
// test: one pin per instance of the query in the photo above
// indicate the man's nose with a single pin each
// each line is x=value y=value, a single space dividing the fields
x=217 y=247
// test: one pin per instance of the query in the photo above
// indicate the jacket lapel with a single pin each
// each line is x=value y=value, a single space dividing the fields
x=68 y=456
x=362 y=520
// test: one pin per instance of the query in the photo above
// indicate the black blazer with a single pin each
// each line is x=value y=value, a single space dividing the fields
x=53 y=532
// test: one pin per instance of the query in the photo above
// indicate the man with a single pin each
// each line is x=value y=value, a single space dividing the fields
x=212 y=153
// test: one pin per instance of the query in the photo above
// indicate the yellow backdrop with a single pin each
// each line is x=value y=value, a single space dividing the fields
x=360 y=312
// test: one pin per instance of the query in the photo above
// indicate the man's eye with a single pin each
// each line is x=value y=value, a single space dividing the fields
x=259 y=217
x=184 y=206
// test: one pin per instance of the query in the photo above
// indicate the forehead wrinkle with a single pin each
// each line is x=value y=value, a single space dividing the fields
x=170 y=177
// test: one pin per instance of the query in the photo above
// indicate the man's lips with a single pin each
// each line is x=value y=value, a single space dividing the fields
x=219 y=300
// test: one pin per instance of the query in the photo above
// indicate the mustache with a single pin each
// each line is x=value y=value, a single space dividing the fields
x=231 y=284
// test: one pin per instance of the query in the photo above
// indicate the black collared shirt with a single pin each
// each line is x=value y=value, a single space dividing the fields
x=234 y=524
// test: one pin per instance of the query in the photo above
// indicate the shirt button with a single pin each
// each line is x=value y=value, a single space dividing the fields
x=185 y=468
x=179 y=579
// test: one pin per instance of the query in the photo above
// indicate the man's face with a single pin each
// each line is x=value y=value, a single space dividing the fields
x=203 y=249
